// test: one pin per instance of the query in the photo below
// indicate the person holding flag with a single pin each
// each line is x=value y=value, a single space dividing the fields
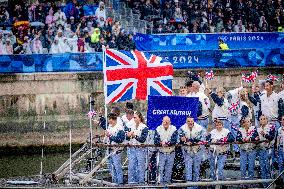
x=218 y=152
x=115 y=134
x=269 y=108
x=234 y=108
x=266 y=133
x=245 y=106
x=247 y=133
x=220 y=110
x=191 y=134
x=254 y=98
x=102 y=120
x=166 y=136
x=204 y=105
x=234 y=105
x=136 y=135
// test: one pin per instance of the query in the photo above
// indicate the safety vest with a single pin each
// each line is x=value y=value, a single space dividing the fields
x=224 y=46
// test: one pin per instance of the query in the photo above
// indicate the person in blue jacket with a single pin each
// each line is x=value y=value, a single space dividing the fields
x=191 y=134
x=166 y=136
x=266 y=134
x=221 y=108
x=220 y=136
x=115 y=135
x=247 y=133
x=136 y=134
x=255 y=100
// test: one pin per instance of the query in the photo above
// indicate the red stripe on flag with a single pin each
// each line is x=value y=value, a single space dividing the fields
x=164 y=88
x=153 y=58
x=122 y=92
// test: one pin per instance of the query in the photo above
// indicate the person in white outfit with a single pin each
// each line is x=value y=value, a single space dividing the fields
x=60 y=17
x=166 y=136
x=136 y=134
x=204 y=104
x=191 y=134
x=115 y=135
x=72 y=41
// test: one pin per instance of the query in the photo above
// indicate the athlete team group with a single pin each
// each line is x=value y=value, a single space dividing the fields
x=253 y=122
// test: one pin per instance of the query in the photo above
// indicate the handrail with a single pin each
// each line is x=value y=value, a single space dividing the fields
x=202 y=143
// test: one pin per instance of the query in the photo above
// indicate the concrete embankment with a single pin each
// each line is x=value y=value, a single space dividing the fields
x=61 y=100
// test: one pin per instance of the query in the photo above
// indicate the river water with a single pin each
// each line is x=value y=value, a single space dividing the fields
x=27 y=165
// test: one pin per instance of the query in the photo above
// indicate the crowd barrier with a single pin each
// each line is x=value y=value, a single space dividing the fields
x=83 y=62
x=202 y=41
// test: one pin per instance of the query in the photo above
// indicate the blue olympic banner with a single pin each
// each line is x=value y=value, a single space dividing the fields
x=223 y=59
x=176 y=107
x=82 y=62
x=170 y=42
x=66 y=62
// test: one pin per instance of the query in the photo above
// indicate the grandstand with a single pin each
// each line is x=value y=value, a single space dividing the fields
x=120 y=20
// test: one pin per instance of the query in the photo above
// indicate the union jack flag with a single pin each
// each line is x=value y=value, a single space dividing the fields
x=246 y=78
x=135 y=75
x=234 y=106
x=254 y=75
x=92 y=113
x=209 y=75
x=272 y=77
x=250 y=78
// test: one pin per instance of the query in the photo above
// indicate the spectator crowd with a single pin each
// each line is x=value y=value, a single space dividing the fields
x=51 y=27
x=211 y=16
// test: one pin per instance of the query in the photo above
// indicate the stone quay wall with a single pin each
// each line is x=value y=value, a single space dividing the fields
x=62 y=99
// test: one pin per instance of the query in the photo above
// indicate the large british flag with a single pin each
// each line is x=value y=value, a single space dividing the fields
x=135 y=75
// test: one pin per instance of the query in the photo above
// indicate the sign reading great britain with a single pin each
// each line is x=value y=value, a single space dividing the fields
x=176 y=107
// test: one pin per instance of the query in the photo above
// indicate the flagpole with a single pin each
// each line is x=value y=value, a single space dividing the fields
x=105 y=79
x=242 y=80
x=70 y=153
x=41 y=162
x=91 y=129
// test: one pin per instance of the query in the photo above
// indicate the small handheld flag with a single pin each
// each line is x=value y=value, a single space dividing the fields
x=246 y=78
x=209 y=75
x=250 y=78
x=253 y=75
x=272 y=77
x=91 y=114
